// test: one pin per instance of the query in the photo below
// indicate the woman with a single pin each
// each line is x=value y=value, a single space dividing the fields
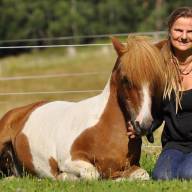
x=175 y=160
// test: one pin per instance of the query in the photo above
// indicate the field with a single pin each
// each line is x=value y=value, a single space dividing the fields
x=88 y=69
x=47 y=75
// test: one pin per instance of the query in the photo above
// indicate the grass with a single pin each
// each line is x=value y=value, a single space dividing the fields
x=54 y=61
x=57 y=61
x=32 y=184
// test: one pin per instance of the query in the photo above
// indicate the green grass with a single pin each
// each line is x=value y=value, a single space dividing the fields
x=45 y=185
x=32 y=184
x=54 y=61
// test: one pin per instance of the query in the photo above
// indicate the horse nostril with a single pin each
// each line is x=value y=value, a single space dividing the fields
x=137 y=127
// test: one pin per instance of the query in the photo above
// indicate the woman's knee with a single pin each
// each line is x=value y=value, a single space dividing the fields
x=158 y=174
x=184 y=170
x=166 y=165
x=184 y=173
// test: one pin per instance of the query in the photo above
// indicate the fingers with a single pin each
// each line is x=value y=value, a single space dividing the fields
x=132 y=137
x=130 y=131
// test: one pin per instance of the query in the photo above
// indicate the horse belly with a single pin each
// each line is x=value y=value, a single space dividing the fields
x=36 y=153
x=40 y=132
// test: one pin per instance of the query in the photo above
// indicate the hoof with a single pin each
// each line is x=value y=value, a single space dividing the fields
x=139 y=174
x=67 y=177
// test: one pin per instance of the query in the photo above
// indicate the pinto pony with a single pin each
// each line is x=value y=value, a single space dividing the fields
x=87 y=139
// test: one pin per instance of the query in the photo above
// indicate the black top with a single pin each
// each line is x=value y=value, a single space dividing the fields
x=177 y=133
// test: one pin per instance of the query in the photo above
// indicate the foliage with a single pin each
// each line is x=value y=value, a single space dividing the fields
x=21 y=19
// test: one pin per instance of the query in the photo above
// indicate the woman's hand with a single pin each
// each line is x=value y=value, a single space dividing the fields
x=130 y=131
x=132 y=134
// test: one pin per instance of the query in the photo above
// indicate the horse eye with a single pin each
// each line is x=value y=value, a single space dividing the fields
x=125 y=81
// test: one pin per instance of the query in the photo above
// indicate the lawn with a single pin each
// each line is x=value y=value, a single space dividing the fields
x=88 y=69
x=31 y=184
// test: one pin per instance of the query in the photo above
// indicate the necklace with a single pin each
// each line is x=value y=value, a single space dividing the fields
x=182 y=62
x=186 y=64
x=186 y=70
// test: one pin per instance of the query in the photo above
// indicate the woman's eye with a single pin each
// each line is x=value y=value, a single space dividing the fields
x=178 y=30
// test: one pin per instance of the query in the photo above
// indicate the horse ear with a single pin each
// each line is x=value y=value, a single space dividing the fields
x=160 y=44
x=117 y=45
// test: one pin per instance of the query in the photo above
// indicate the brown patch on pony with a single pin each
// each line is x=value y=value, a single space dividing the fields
x=105 y=145
x=23 y=152
x=54 y=167
x=13 y=121
x=11 y=125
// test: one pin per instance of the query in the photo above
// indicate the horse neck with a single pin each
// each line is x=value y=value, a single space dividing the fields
x=112 y=110
x=114 y=124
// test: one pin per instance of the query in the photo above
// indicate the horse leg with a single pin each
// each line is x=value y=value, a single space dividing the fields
x=133 y=173
x=78 y=169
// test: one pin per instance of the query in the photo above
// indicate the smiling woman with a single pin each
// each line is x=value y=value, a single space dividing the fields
x=175 y=161
x=181 y=35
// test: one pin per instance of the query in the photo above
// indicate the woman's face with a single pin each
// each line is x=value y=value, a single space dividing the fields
x=181 y=33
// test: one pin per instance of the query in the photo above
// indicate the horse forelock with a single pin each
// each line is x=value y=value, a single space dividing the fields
x=142 y=63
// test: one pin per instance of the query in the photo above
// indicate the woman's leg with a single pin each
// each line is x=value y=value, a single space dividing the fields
x=185 y=168
x=167 y=164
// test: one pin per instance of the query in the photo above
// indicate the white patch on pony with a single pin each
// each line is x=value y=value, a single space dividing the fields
x=81 y=169
x=145 y=110
x=52 y=128
x=139 y=174
x=64 y=176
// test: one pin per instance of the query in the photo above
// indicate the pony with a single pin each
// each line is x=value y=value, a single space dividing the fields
x=87 y=139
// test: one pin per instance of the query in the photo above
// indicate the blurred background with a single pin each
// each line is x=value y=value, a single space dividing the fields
x=47 y=21
x=61 y=49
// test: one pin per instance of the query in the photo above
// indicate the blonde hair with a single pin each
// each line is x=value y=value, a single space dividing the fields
x=158 y=66
x=173 y=79
x=173 y=82
x=177 y=13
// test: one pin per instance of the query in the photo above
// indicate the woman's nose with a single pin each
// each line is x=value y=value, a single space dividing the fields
x=184 y=36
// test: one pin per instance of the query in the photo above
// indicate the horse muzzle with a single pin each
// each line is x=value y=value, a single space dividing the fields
x=141 y=129
x=148 y=132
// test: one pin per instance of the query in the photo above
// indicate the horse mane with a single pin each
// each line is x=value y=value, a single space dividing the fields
x=141 y=61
